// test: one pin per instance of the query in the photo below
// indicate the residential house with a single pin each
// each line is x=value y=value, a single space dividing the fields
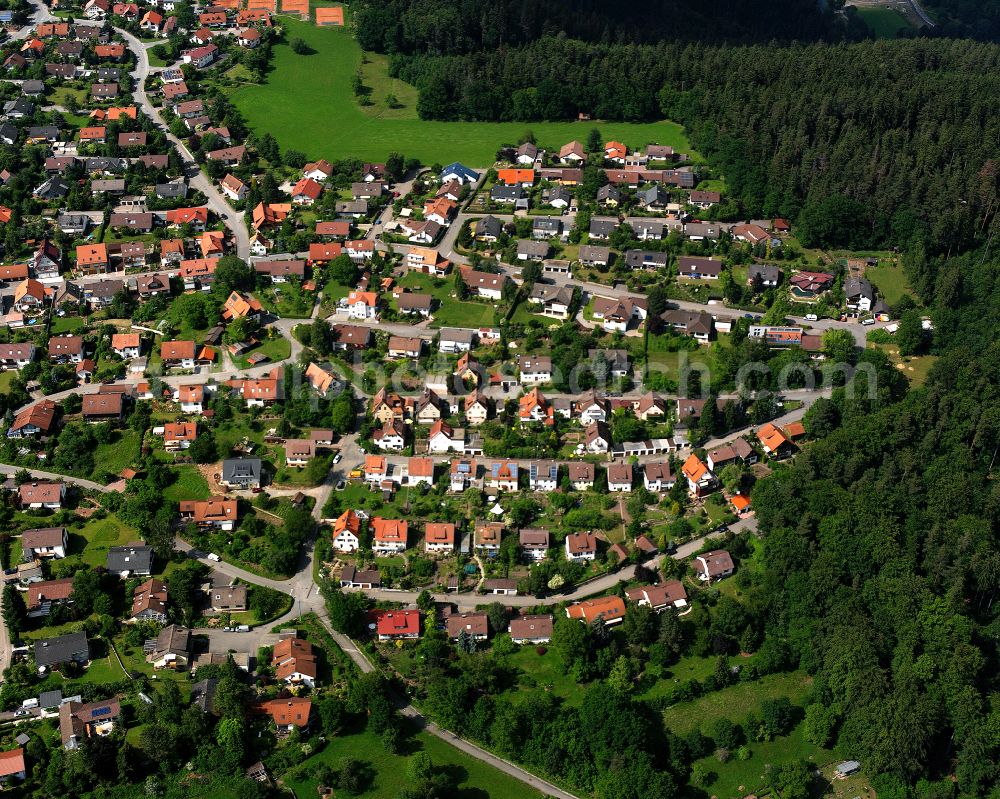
x=534 y=369
x=766 y=275
x=294 y=662
x=51 y=653
x=133 y=560
x=657 y=477
x=581 y=546
x=289 y=714
x=439 y=537
x=191 y=397
x=39 y=494
x=700 y=479
x=471 y=625
x=581 y=475
x=691 y=267
x=347 y=532
x=391 y=436
x=487 y=538
x=215 y=512
x=16 y=356
x=534 y=543
x=173 y=648
x=620 y=477
x=453 y=340
x=179 y=435
x=532 y=629
x=149 y=601
x=597 y=438
x=242 y=473
x=463 y=474
x=670 y=594
x=713 y=565
x=503 y=475
x=774 y=442
x=44 y=542
x=543 y=476
x=392 y=625
x=402 y=347
x=36 y=420
x=44 y=594
x=478 y=409
x=618 y=314
x=610 y=609
x=389 y=536
x=737 y=450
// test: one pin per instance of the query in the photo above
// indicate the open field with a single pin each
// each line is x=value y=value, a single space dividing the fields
x=891 y=282
x=737 y=778
x=477 y=780
x=884 y=23
x=916 y=368
x=735 y=702
x=450 y=311
x=308 y=104
x=190 y=484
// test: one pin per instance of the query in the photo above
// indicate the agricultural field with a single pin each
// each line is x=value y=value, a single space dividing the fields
x=308 y=104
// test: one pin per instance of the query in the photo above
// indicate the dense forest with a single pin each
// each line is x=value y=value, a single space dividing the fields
x=961 y=19
x=466 y=26
x=862 y=144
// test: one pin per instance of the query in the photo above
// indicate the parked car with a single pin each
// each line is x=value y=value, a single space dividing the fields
x=811 y=317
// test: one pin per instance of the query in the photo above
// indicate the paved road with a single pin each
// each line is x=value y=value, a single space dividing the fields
x=215 y=199
x=411 y=712
x=10 y=471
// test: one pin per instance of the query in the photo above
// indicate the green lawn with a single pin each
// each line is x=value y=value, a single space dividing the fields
x=120 y=453
x=308 y=105
x=92 y=541
x=66 y=324
x=737 y=778
x=478 y=780
x=890 y=281
x=916 y=368
x=276 y=349
x=884 y=23
x=450 y=311
x=6 y=379
x=288 y=301
x=189 y=484
x=544 y=673
x=735 y=702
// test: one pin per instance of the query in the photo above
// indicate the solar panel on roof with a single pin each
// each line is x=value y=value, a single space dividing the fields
x=101 y=711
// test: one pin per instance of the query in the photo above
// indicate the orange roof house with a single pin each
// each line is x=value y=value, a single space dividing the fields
x=609 y=608
x=319 y=378
x=238 y=306
x=330 y=17
x=270 y=214
x=615 y=150
x=740 y=503
x=288 y=713
x=773 y=440
x=516 y=177
x=325 y=251
x=91 y=255
x=212 y=243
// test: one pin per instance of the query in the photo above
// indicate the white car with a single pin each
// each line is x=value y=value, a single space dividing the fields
x=213 y=557
x=867 y=322
x=811 y=317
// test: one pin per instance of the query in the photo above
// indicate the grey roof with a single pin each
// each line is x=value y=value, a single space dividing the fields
x=108 y=184
x=32 y=86
x=53 y=187
x=8 y=133
x=19 y=107
x=43 y=132
x=173 y=639
x=462 y=335
x=108 y=75
x=858 y=287
x=602 y=227
x=506 y=194
x=50 y=698
x=559 y=193
x=62 y=649
x=203 y=694
x=73 y=221
x=769 y=273
x=608 y=192
x=644 y=259
x=544 y=292
x=489 y=226
x=592 y=252
x=654 y=195
x=533 y=249
x=175 y=190
x=137 y=558
x=104 y=164
x=654 y=227
x=238 y=470
x=548 y=224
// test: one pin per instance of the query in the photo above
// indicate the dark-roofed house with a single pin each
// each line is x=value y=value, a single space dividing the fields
x=768 y=274
x=242 y=473
x=103 y=407
x=172 y=649
x=69 y=648
x=645 y=259
x=473 y=625
x=713 y=565
x=130 y=561
x=697 y=268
